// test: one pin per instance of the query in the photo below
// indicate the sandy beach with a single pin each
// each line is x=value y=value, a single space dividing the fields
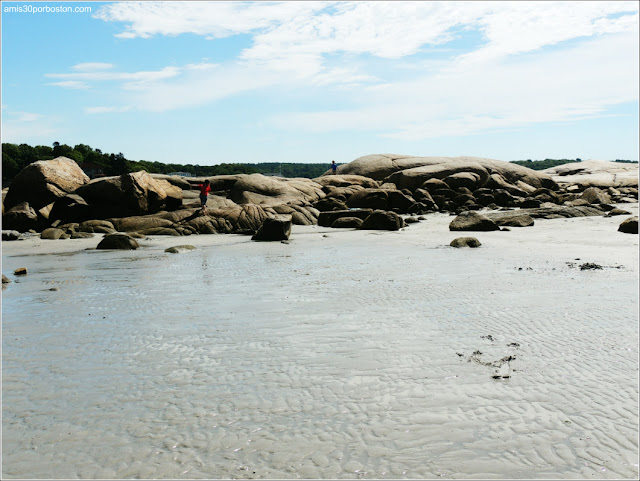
x=341 y=354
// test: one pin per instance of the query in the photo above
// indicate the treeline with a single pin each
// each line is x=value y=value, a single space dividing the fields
x=549 y=163
x=17 y=157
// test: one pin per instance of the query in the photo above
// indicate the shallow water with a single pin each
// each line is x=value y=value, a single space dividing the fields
x=318 y=359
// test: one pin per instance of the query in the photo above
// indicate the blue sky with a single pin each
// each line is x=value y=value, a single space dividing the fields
x=212 y=82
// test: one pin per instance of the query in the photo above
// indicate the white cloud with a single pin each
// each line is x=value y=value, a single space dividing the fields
x=522 y=72
x=71 y=84
x=27 y=127
x=92 y=66
x=518 y=27
x=104 y=110
x=209 y=19
x=142 y=76
x=563 y=85
x=27 y=116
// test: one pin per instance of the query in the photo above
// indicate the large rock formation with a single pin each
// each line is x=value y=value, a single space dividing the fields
x=470 y=172
x=43 y=182
x=595 y=173
x=268 y=191
x=136 y=193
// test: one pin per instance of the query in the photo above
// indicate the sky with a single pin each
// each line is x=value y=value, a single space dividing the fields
x=212 y=82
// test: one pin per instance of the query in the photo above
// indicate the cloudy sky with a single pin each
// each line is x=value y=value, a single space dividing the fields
x=211 y=82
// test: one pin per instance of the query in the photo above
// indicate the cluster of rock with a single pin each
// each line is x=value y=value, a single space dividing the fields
x=56 y=198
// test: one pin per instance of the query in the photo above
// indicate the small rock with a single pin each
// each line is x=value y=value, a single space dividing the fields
x=10 y=235
x=589 y=266
x=465 y=242
x=179 y=249
x=22 y=271
x=52 y=233
x=5 y=279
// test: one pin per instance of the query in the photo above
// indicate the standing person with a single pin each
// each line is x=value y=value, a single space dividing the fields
x=334 y=167
x=204 y=193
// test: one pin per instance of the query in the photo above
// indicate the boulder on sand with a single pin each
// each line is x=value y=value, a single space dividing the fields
x=21 y=217
x=10 y=235
x=472 y=221
x=179 y=249
x=629 y=226
x=274 y=229
x=465 y=242
x=118 y=241
x=43 y=182
x=382 y=220
x=53 y=233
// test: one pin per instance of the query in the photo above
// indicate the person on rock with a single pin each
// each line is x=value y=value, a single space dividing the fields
x=204 y=195
x=334 y=167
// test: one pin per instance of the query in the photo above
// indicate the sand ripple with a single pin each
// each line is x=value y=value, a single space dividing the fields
x=319 y=359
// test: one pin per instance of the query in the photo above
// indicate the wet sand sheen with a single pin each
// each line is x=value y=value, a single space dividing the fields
x=347 y=356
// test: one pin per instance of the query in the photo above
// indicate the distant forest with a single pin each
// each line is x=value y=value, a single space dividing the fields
x=16 y=157
x=548 y=163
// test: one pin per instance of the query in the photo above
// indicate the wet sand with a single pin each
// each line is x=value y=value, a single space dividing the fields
x=343 y=354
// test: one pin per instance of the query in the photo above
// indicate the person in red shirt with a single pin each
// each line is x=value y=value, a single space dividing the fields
x=204 y=192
